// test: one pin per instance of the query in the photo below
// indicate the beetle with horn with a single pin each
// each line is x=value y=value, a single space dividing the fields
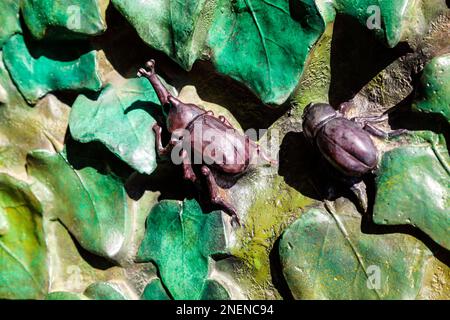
x=223 y=151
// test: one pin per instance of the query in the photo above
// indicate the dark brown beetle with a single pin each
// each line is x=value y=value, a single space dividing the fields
x=345 y=143
x=237 y=150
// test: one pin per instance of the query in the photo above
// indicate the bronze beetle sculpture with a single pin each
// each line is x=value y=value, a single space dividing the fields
x=345 y=143
x=237 y=150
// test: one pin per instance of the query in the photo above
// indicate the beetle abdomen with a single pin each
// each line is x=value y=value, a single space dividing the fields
x=347 y=147
x=224 y=148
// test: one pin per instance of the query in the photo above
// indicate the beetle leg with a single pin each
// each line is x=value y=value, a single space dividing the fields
x=359 y=190
x=396 y=133
x=188 y=172
x=215 y=197
x=377 y=132
x=261 y=153
x=162 y=151
x=370 y=119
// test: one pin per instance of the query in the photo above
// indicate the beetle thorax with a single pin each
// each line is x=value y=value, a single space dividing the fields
x=315 y=116
x=180 y=115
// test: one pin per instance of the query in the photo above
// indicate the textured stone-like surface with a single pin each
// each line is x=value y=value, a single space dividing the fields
x=180 y=239
x=63 y=19
x=325 y=255
x=121 y=119
x=39 y=68
x=413 y=187
x=23 y=266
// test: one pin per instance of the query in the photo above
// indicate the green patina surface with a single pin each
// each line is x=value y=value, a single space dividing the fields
x=413 y=187
x=63 y=19
x=77 y=198
x=248 y=40
x=104 y=291
x=154 y=291
x=212 y=290
x=96 y=291
x=9 y=19
x=325 y=255
x=23 y=266
x=394 y=15
x=271 y=212
x=178 y=28
x=38 y=68
x=180 y=239
x=264 y=44
x=59 y=295
x=121 y=119
x=45 y=125
x=434 y=95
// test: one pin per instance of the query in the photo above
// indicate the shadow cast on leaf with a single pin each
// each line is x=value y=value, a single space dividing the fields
x=357 y=56
x=97 y=156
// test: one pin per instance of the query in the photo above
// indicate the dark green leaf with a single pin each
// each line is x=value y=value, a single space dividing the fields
x=180 y=239
x=39 y=68
x=120 y=118
x=413 y=187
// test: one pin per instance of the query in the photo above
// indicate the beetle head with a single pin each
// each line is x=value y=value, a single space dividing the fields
x=179 y=115
x=315 y=116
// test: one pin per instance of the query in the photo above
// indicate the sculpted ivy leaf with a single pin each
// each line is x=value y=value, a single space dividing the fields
x=327 y=256
x=63 y=19
x=96 y=291
x=39 y=68
x=9 y=19
x=120 y=118
x=104 y=291
x=248 y=40
x=264 y=44
x=45 y=124
x=154 y=290
x=413 y=187
x=23 y=267
x=62 y=295
x=90 y=202
x=177 y=28
x=435 y=87
x=180 y=239
x=387 y=19
x=212 y=291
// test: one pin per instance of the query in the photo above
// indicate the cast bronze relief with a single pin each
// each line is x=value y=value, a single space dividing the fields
x=234 y=150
